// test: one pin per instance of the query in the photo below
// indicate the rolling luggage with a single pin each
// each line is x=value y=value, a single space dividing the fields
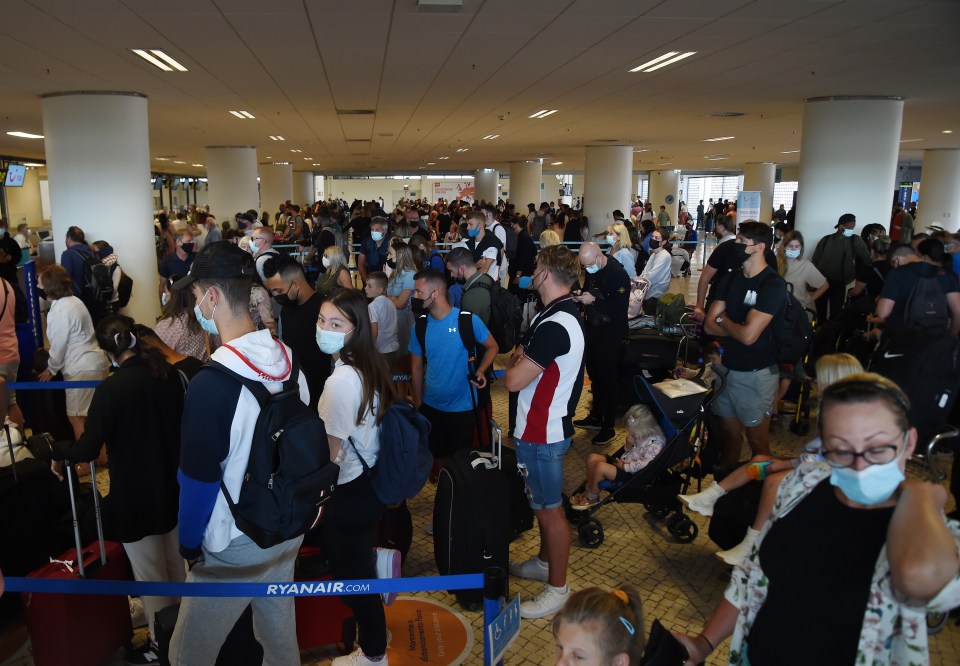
x=239 y=649
x=321 y=620
x=76 y=629
x=471 y=518
x=733 y=514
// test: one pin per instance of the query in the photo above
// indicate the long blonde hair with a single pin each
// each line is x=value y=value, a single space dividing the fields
x=337 y=260
x=623 y=236
x=642 y=423
x=405 y=260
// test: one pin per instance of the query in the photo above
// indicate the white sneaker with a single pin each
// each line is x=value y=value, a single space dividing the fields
x=741 y=551
x=547 y=602
x=388 y=566
x=358 y=658
x=703 y=502
x=429 y=529
x=532 y=569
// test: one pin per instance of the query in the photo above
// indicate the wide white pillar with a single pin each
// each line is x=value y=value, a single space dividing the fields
x=232 y=174
x=939 y=202
x=485 y=183
x=304 y=190
x=276 y=185
x=848 y=162
x=664 y=189
x=578 y=186
x=759 y=177
x=525 y=178
x=607 y=183
x=97 y=140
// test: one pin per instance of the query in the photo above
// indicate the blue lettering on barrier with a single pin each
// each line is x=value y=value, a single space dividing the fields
x=503 y=630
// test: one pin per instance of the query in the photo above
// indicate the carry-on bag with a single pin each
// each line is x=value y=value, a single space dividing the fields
x=80 y=629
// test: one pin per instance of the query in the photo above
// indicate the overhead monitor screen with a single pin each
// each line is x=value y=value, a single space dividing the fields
x=15 y=174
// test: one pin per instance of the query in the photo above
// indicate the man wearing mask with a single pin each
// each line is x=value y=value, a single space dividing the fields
x=213 y=231
x=373 y=249
x=837 y=257
x=486 y=248
x=261 y=247
x=441 y=363
x=605 y=295
x=746 y=302
x=495 y=228
x=476 y=285
x=180 y=261
x=299 y=308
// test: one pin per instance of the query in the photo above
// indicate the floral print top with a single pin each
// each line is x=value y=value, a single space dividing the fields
x=639 y=456
x=892 y=633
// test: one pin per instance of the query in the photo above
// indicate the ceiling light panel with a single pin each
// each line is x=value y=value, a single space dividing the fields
x=721 y=138
x=160 y=60
x=667 y=63
x=243 y=115
x=491 y=136
x=277 y=138
x=25 y=135
x=462 y=150
x=543 y=113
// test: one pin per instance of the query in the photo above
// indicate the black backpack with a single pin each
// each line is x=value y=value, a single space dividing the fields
x=510 y=246
x=792 y=331
x=97 y=280
x=506 y=315
x=289 y=475
x=926 y=308
x=124 y=288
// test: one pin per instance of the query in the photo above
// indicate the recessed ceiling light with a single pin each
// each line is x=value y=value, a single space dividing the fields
x=788 y=152
x=196 y=165
x=159 y=59
x=491 y=136
x=555 y=163
x=713 y=159
x=665 y=163
x=243 y=115
x=909 y=140
x=462 y=150
x=444 y=158
x=947 y=132
x=295 y=150
x=430 y=163
x=543 y=113
x=277 y=137
x=641 y=150
x=179 y=162
x=161 y=159
x=664 y=60
x=721 y=138
x=308 y=158
x=26 y=135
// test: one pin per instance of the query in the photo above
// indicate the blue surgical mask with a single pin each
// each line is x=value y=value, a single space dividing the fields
x=611 y=239
x=473 y=233
x=792 y=254
x=871 y=485
x=164 y=297
x=848 y=232
x=330 y=342
x=208 y=325
x=592 y=268
x=525 y=282
x=377 y=236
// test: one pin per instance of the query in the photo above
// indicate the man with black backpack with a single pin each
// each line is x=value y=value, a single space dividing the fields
x=742 y=314
x=248 y=439
x=92 y=280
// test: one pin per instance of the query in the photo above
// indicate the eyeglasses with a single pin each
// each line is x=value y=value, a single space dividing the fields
x=878 y=455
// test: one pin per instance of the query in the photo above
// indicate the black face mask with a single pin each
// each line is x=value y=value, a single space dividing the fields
x=741 y=253
x=41 y=293
x=654 y=244
x=418 y=306
x=188 y=248
x=284 y=300
x=392 y=263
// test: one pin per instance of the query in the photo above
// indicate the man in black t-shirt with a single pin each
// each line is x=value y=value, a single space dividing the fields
x=899 y=285
x=741 y=315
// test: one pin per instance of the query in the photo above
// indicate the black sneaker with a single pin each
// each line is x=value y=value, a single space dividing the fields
x=589 y=423
x=145 y=655
x=605 y=436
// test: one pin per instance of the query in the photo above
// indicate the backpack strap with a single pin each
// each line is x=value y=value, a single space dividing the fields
x=420 y=328
x=465 y=328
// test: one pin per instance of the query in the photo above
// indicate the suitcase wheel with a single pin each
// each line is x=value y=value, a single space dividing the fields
x=590 y=533
x=682 y=528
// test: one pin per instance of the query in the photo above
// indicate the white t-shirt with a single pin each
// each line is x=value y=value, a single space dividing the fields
x=383 y=313
x=73 y=345
x=339 y=403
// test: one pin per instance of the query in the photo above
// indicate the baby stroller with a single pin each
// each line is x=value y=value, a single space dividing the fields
x=657 y=485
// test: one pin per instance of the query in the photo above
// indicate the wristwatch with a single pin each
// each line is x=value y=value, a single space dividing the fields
x=719 y=320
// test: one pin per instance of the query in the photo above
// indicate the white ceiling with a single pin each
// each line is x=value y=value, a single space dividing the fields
x=441 y=81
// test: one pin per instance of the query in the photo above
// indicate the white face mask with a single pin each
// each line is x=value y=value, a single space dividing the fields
x=792 y=254
x=326 y=262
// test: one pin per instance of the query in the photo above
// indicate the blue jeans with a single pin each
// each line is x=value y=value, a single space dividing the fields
x=541 y=466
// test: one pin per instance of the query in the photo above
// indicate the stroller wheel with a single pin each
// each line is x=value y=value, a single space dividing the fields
x=684 y=529
x=935 y=622
x=674 y=520
x=590 y=533
x=658 y=510
x=801 y=428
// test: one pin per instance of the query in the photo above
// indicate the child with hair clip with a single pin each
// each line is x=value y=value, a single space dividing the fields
x=644 y=441
x=600 y=628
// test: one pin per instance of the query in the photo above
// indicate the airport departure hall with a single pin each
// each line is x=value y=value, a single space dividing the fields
x=596 y=332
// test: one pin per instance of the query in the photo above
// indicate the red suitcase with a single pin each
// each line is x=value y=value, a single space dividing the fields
x=77 y=629
x=321 y=620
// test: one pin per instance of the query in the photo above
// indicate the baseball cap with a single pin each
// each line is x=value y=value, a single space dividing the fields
x=846 y=218
x=222 y=259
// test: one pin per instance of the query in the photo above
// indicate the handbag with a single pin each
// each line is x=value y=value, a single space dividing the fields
x=662 y=648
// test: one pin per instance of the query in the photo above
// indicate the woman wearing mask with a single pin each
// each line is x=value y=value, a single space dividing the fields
x=620 y=248
x=656 y=272
x=403 y=267
x=336 y=273
x=808 y=283
x=891 y=555
x=136 y=413
x=354 y=399
x=177 y=325
x=73 y=348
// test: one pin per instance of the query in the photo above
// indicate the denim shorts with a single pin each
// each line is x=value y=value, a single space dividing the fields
x=541 y=466
x=748 y=395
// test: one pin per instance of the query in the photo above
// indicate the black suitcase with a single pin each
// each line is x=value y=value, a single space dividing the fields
x=928 y=371
x=521 y=515
x=471 y=529
x=651 y=350
x=240 y=649
x=733 y=514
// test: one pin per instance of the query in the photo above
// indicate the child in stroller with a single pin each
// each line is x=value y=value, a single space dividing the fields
x=644 y=441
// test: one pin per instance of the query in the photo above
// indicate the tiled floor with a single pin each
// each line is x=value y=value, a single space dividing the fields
x=679 y=583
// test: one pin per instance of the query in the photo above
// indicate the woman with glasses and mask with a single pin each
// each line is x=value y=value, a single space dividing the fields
x=853 y=556
x=353 y=402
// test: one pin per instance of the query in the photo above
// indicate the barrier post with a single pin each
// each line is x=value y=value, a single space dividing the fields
x=494 y=599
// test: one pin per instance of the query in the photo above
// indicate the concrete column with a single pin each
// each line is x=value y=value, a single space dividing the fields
x=276 y=186
x=848 y=162
x=939 y=202
x=97 y=141
x=485 y=183
x=759 y=177
x=23 y=203
x=664 y=188
x=525 y=178
x=607 y=181
x=232 y=174
x=578 y=179
x=303 y=188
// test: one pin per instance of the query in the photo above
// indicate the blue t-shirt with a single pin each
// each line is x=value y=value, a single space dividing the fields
x=403 y=281
x=445 y=386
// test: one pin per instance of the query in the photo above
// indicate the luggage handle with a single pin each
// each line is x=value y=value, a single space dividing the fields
x=496 y=443
x=76 y=520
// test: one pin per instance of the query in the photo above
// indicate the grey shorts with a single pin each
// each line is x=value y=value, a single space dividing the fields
x=9 y=372
x=748 y=395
